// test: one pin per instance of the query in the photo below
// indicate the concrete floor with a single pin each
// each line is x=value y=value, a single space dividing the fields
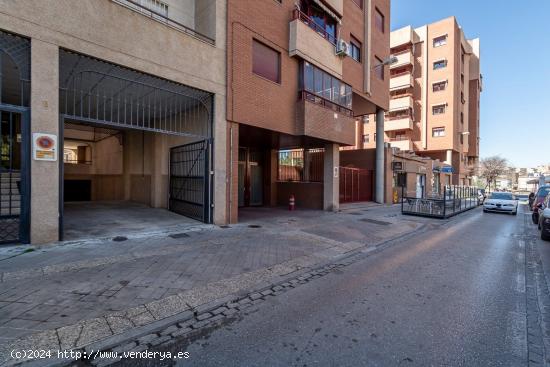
x=97 y=219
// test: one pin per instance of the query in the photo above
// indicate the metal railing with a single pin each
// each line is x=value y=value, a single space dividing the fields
x=136 y=6
x=304 y=18
x=327 y=103
x=453 y=200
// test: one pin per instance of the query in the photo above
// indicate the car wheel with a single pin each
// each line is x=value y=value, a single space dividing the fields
x=544 y=236
x=535 y=218
x=484 y=210
x=515 y=213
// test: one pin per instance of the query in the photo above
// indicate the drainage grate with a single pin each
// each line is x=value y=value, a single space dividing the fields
x=225 y=226
x=354 y=213
x=254 y=226
x=178 y=235
x=373 y=221
x=120 y=238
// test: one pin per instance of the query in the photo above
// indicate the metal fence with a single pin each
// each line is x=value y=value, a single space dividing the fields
x=453 y=200
x=301 y=165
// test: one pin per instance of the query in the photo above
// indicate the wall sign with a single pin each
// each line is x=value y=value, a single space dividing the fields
x=397 y=166
x=44 y=147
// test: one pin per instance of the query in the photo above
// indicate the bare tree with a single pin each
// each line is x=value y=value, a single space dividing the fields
x=492 y=167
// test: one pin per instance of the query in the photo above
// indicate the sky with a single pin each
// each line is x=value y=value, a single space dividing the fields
x=515 y=63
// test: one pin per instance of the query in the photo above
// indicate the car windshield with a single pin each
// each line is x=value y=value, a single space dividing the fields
x=501 y=196
x=543 y=191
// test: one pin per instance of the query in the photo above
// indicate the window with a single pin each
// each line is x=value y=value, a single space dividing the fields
x=366 y=138
x=439 y=86
x=462 y=117
x=266 y=62
x=291 y=165
x=355 y=49
x=323 y=23
x=462 y=98
x=379 y=20
x=322 y=84
x=438 y=131
x=156 y=6
x=379 y=69
x=438 y=110
x=440 y=41
x=440 y=64
x=462 y=78
x=462 y=140
x=359 y=3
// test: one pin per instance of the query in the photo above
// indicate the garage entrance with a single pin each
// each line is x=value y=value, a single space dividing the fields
x=130 y=139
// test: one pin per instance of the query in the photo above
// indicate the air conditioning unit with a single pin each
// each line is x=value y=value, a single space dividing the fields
x=342 y=48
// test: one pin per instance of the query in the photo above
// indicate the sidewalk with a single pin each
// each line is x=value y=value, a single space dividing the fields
x=72 y=294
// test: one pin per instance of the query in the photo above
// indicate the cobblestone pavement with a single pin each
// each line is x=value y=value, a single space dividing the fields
x=72 y=294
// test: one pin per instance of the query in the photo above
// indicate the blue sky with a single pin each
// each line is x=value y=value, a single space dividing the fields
x=515 y=102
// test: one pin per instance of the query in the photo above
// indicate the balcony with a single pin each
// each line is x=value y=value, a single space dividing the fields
x=402 y=36
x=398 y=123
x=403 y=144
x=197 y=20
x=319 y=118
x=401 y=103
x=401 y=81
x=403 y=59
x=313 y=44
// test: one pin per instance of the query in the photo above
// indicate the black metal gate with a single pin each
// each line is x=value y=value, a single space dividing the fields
x=190 y=186
x=14 y=186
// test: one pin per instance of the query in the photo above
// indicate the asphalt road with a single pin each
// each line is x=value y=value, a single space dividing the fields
x=452 y=296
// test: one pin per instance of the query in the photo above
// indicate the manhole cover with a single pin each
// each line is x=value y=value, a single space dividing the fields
x=254 y=226
x=178 y=235
x=373 y=221
x=120 y=238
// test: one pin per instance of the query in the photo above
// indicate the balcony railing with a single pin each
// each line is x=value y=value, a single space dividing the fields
x=311 y=97
x=136 y=6
x=304 y=18
x=399 y=138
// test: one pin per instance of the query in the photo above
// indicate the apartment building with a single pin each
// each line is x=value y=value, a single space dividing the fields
x=110 y=100
x=300 y=73
x=435 y=88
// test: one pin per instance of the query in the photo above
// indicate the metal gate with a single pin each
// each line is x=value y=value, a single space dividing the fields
x=355 y=184
x=14 y=187
x=190 y=186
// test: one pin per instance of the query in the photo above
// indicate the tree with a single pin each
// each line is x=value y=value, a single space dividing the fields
x=492 y=167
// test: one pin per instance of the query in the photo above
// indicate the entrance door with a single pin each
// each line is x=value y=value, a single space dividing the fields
x=190 y=190
x=420 y=185
x=250 y=178
x=13 y=178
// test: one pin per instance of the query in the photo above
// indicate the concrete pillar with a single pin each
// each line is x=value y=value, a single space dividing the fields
x=331 y=179
x=380 y=166
x=45 y=119
x=126 y=160
x=159 y=170
x=221 y=155
x=449 y=157
x=232 y=165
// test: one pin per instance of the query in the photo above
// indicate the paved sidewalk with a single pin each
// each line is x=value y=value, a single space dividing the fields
x=72 y=294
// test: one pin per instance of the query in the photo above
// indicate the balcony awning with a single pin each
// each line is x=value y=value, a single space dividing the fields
x=397 y=109
x=328 y=10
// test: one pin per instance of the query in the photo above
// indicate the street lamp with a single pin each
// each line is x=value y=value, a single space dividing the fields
x=390 y=60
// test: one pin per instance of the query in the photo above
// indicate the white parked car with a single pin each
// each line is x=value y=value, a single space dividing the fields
x=501 y=202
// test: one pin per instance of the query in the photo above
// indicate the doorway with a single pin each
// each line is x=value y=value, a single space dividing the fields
x=250 y=177
x=14 y=190
x=420 y=185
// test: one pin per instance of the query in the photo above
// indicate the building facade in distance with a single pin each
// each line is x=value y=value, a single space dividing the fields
x=435 y=91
